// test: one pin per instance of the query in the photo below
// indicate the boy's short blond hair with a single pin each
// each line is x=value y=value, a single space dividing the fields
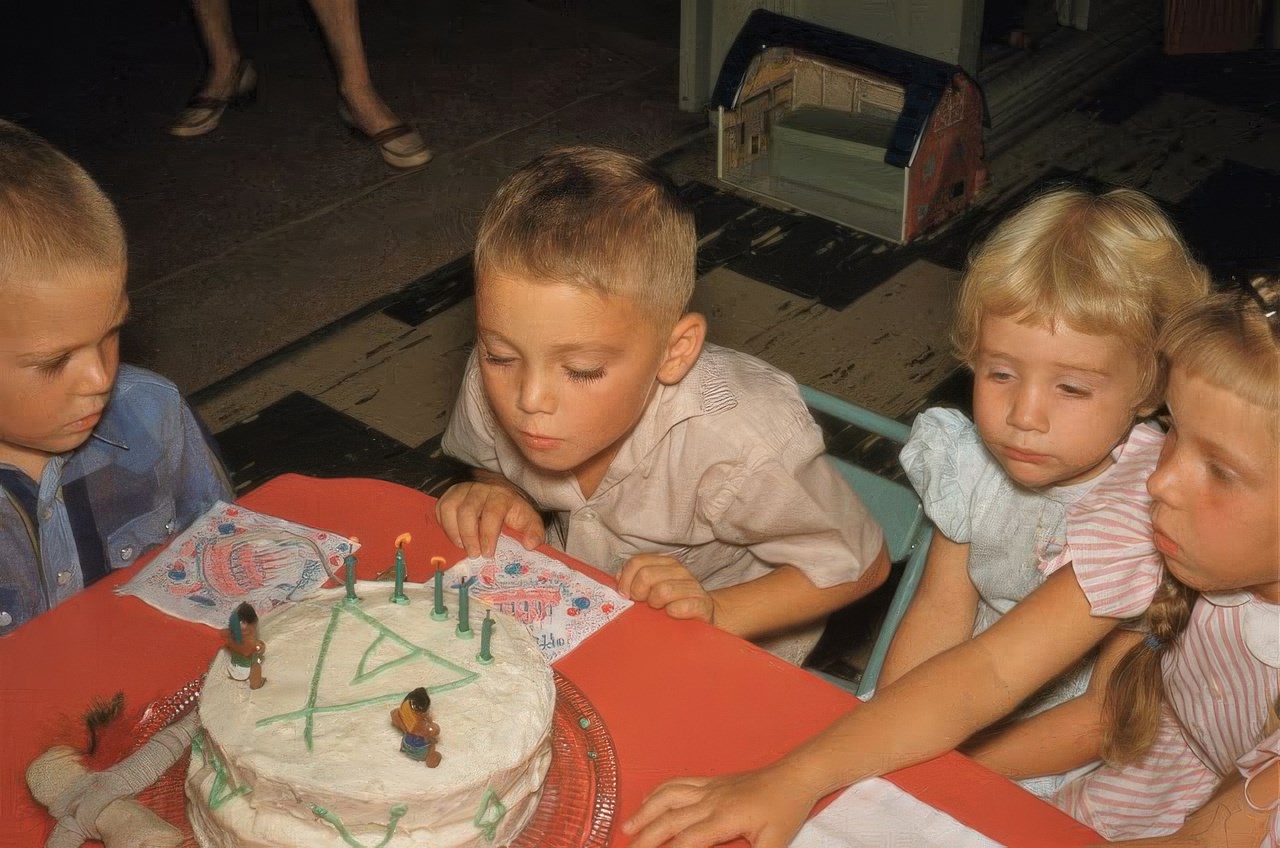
x=596 y=218
x=1109 y=264
x=1226 y=340
x=53 y=216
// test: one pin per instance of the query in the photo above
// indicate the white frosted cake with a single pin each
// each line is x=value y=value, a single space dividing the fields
x=311 y=759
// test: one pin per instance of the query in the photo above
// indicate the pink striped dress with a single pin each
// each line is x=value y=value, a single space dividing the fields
x=1220 y=679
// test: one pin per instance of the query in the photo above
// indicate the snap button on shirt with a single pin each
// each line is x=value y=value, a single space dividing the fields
x=64 y=577
x=126 y=553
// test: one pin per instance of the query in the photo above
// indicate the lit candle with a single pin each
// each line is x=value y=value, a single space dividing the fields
x=439 y=612
x=399 y=596
x=350 y=562
x=486 y=635
x=464 y=609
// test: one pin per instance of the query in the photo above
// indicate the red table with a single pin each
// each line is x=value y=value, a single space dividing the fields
x=679 y=698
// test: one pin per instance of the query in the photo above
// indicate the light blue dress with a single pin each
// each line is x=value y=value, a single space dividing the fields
x=1009 y=530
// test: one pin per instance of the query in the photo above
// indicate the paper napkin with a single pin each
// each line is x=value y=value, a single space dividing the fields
x=877 y=814
x=560 y=606
x=232 y=554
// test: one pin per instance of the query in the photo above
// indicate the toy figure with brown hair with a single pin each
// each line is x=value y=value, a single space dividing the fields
x=244 y=649
x=421 y=734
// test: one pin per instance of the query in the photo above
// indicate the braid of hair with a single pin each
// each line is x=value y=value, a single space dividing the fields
x=1131 y=707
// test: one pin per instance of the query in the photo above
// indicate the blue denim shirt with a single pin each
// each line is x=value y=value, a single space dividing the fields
x=148 y=470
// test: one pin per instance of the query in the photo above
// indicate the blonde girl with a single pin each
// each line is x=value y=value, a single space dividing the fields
x=1058 y=317
x=1192 y=708
x=1051 y=417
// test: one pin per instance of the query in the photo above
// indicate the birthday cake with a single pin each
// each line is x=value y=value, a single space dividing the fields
x=312 y=759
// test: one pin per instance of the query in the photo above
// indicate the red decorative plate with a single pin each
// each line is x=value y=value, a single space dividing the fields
x=578 y=799
x=581 y=793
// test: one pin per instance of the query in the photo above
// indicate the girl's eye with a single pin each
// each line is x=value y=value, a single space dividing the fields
x=1075 y=391
x=1220 y=473
x=999 y=376
x=589 y=376
x=53 y=366
x=491 y=359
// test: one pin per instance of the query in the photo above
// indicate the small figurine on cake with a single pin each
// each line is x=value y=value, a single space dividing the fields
x=244 y=649
x=421 y=734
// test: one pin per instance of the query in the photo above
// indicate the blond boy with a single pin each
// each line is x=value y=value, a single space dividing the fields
x=98 y=461
x=692 y=472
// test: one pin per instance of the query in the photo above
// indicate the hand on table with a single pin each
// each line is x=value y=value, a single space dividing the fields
x=664 y=583
x=472 y=515
x=760 y=806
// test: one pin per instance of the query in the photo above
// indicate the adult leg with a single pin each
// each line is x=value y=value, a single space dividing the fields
x=340 y=20
x=228 y=79
x=213 y=18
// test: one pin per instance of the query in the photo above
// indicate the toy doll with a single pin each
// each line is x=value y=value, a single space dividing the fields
x=421 y=734
x=244 y=649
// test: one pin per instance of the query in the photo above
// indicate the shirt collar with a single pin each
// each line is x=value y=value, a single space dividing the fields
x=703 y=391
x=1259 y=623
x=110 y=430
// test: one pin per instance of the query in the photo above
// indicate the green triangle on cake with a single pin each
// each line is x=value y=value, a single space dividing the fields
x=387 y=650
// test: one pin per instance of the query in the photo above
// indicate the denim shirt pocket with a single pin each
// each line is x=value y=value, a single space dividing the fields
x=13 y=609
x=136 y=536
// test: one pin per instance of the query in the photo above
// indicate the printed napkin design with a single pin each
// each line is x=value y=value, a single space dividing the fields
x=232 y=554
x=559 y=605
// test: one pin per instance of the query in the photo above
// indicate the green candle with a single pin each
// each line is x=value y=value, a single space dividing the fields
x=350 y=562
x=464 y=609
x=398 y=596
x=486 y=636
x=439 y=612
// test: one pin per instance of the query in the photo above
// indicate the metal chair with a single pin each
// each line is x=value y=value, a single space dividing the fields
x=906 y=529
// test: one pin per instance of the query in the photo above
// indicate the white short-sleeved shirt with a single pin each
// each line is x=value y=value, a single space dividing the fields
x=726 y=470
x=1220 y=680
x=1018 y=536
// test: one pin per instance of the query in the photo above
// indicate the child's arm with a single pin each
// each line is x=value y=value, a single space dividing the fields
x=773 y=603
x=941 y=614
x=1064 y=737
x=1236 y=817
x=472 y=514
x=926 y=713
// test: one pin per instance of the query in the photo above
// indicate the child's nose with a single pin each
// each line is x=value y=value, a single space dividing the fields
x=1163 y=481
x=1027 y=411
x=97 y=375
x=535 y=395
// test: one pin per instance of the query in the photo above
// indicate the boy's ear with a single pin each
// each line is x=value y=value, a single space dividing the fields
x=684 y=345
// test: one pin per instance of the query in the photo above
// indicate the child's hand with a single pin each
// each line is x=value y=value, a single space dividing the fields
x=758 y=806
x=664 y=583
x=473 y=514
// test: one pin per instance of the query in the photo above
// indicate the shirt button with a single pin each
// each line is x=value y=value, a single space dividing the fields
x=126 y=553
x=5 y=619
x=64 y=577
x=587 y=515
x=168 y=526
x=46 y=513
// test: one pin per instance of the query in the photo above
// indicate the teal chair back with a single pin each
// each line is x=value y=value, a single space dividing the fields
x=906 y=529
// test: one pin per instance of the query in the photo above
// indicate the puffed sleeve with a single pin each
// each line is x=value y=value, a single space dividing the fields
x=944 y=458
x=1251 y=765
x=469 y=438
x=1108 y=534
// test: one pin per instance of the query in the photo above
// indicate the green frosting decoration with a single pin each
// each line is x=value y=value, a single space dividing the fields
x=397 y=813
x=219 y=794
x=491 y=813
x=364 y=672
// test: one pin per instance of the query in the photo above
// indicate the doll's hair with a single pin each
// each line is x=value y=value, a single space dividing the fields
x=1102 y=264
x=1226 y=340
x=597 y=218
x=419 y=700
x=243 y=614
x=54 y=218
